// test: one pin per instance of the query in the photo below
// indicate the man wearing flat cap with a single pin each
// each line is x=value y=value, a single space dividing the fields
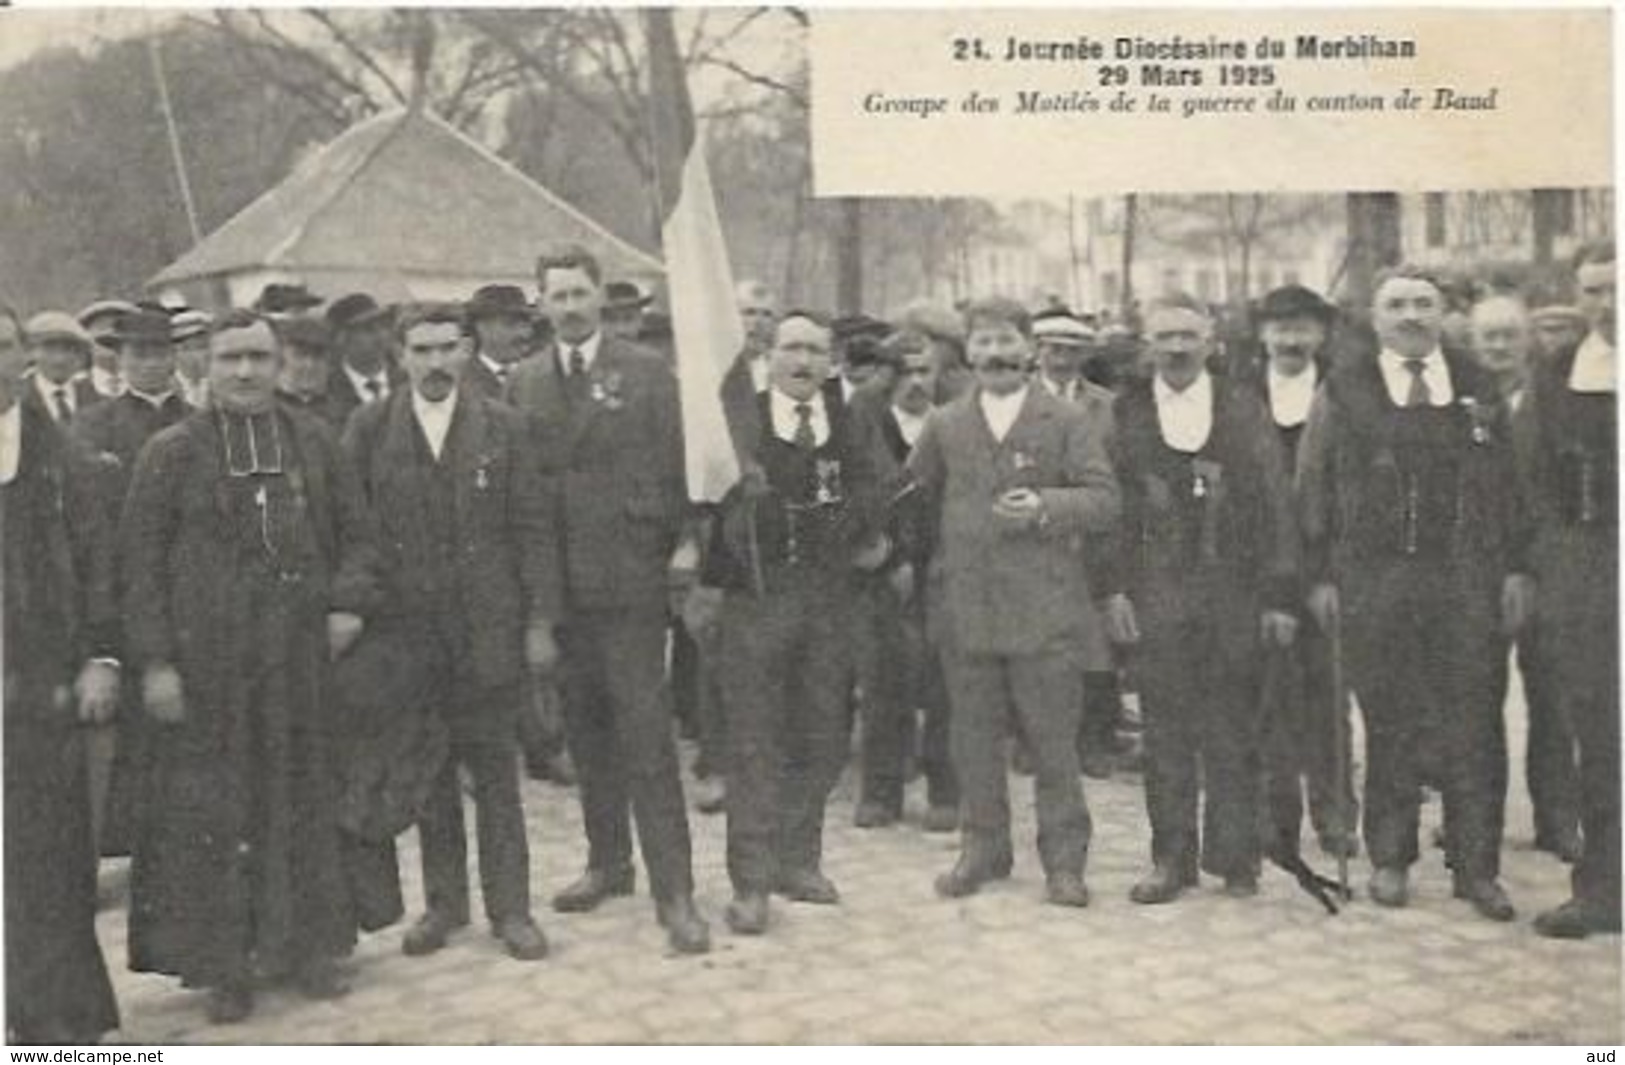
x=100 y=320
x=364 y=340
x=1417 y=551
x=1062 y=344
x=503 y=325
x=60 y=350
x=1294 y=329
x=189 y=329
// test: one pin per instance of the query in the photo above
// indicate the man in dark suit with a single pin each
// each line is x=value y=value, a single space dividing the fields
x=607 y=430
x=365 y=370
x=306 y=366
x=1204 y=580
x=786 y=546
x=1416 y=542
x=1568 y=440
x=60 y=350
x=469 y=556
x=1021 y=477
x=504 y=328
x=60 y=637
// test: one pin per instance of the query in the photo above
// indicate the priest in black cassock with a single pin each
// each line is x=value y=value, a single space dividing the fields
x=247 y=565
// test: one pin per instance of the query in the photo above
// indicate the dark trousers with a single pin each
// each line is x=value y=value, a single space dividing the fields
x=1102 y=712
x=1301 y=740
x=1421 y=640
x=1199 y=698
x=900 y=674
x=1551 y=763
x=697 y=697
x=620 y=735
x=1042 y=693
x=541 y=726
x=481 y=723
x=786 y=673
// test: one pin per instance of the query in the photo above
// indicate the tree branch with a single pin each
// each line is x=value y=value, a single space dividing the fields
x=356 y=51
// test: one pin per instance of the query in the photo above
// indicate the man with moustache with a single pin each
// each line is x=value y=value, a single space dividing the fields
x=1294 y=326
x=247 y=564
x=59 y=350
x=607 y=430
x=1416 y=541
x=1203 y=583
x=1021 y=478
x=785 y=656
x=470 y=560
x=897 y=656
x=61 y=672
x=1568 y=449
x=1502 y=343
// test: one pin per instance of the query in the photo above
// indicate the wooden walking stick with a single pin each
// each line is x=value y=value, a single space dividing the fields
x=1340 y=752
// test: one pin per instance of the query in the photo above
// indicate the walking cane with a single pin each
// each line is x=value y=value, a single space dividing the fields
x=1340 y=741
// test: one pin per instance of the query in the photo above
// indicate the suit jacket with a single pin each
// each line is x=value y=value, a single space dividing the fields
x=478 y=377
x=506 y=562
x=342 y=399
x=119 y=428
x=612 y=451
x=84 y=393
x=1010 y=591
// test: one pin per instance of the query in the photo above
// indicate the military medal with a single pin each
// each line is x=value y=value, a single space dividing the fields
x=829 y=478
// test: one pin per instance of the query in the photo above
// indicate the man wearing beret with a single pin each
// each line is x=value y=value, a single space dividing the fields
x=1569 y=451
x=60 y=350
x=1294 y=326
x=1416 y=541
x=467 y=540
x=365 y=370
x=607 y=430
x=1204 y=582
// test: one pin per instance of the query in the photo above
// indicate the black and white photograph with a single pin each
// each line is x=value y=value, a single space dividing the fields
x=498 y=552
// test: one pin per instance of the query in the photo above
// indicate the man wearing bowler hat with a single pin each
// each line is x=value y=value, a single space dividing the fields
x=1294 y=328
x=503 y=326
x=624 y=304
x=286 y=300
x=364 y=341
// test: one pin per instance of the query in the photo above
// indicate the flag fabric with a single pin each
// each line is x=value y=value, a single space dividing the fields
x=705 y=322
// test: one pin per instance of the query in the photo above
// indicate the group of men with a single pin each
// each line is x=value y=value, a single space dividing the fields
x=304 y=575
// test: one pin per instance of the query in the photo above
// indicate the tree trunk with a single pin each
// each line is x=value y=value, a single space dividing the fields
x=1546 y=211
x=1130 y=213
x=849 y=259
x=1373 y=243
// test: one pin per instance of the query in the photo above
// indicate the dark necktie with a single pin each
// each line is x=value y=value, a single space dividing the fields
x=805 y=438
x=578 y=362
x=1418 y=396
x=64 y=413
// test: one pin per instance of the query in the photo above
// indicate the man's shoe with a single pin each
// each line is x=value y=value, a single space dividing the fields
x=321 y=981
x=1096 y=764
x=1066 y=889
x=807 y=885
x=710 y=795
x=871 y=814
x=521 y=938
x=429 y=934
x=230 y=1004
x=1565 y=845
x=594 y=887
x=1390 y=887
x=747 y=914
x=1576 y=920
x=969 y=874
x=686 y=930
x=1241 y=887
x=1487 y=897
x=941 y=818
x=1163 y=885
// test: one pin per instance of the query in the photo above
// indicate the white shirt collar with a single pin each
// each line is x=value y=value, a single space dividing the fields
x=909 y=426
x=152 y=399
x=1291 y=395
x=434 y=417
x=1185 y=415
x=1001 y=412
x=359 y=380
x=588 y=348
x=1593 y=369
x=499 y=370
x=1435 y=374
x=1068 y=391
x=786 y=418
x=11 y=442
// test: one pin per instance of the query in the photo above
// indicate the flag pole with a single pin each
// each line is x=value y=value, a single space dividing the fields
x=154 y=52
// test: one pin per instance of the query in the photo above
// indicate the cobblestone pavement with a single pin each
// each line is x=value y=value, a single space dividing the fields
x=894 y=964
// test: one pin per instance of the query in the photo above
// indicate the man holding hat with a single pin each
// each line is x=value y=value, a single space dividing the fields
x=364 y=339
x=1294 y=327
x=60 y=349
x=504 y=327
x=100 y=320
